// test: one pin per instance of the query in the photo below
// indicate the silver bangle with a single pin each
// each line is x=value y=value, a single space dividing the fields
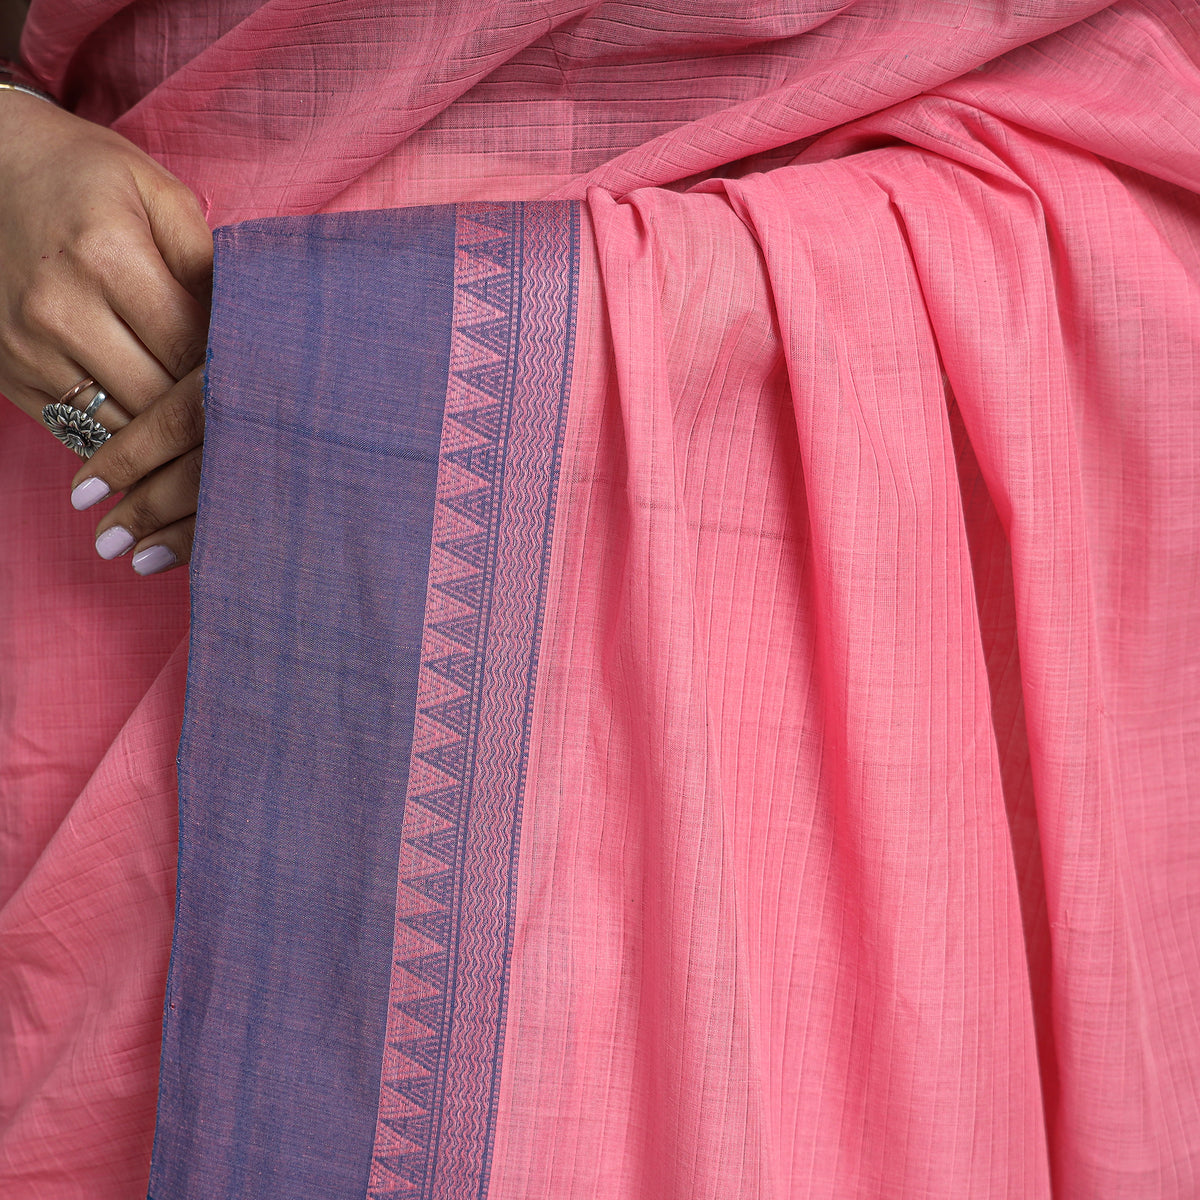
x=8 y=86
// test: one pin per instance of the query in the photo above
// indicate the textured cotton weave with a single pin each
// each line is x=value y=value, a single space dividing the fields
x=857 y=846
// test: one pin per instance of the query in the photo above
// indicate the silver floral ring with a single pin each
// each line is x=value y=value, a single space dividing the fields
x=77 y=428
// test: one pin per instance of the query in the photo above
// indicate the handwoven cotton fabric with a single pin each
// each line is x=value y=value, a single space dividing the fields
x=694 y=686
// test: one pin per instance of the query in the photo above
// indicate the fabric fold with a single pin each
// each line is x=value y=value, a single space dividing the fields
x=759 y=760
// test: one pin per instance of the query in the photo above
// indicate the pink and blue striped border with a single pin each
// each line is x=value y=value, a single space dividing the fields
x=385 y=401
x=505 y=406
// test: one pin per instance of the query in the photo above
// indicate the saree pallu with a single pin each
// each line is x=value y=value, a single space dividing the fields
x=693 y=691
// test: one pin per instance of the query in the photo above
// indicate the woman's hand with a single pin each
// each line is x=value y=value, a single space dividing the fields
x=155 y=461
x=107 y=262
x=107 y=265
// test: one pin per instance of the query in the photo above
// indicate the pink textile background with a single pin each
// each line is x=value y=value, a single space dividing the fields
x=861 y=852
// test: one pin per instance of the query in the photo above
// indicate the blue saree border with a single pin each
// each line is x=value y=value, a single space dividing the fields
x=386 y=401
x=514 y=308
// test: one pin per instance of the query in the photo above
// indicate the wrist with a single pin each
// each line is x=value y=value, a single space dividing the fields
x=14 y=78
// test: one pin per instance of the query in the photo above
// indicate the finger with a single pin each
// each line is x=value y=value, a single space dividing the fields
x=111 y=415
x=29 y=396
x=132 y=311
x=65 y=332
x=158 y=310
x=117 y=359
x=160 y=434
x=159 y=502
x=74 y=324
x=108 y=412
x=96 y=417
x=85 y=393
x=168 y=548
x=181 y=233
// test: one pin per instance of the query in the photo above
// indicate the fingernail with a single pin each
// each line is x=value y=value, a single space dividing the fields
x=89 y=492
x=113 y=542
x=152 y=560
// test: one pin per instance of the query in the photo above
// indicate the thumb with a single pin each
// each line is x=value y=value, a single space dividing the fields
x=180 y=232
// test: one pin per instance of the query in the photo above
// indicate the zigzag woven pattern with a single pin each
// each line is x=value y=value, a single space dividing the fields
x=514 y=306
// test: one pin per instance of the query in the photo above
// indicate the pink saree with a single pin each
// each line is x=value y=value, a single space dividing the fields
x=859 y=844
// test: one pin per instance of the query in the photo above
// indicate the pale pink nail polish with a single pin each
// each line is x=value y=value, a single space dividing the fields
x=113 y=542
x=89 y=492
x=152 y=560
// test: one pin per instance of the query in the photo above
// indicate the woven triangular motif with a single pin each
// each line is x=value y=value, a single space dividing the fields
x=416 y=1089
x=490 y=378
x=411 y=1129
x=493 y=335
x=409 y=1170
x=414 y=1168
x=457 y=668
x=395 y=1185
x=473 y=549
x=479 y=460
x=429 y=968
x=463 y=629
x=432 y=925
x=495 y=290
x=490 y=214
x=476 y=504
x=450 y=758
x=496 y=250
x=438 y=886
x=429 y=1010
x=483 y=419
x=397 y=1104
x=424 y=1052
x=393 y=1149
x=468 y=590
x=446 y=803
x=454 y=714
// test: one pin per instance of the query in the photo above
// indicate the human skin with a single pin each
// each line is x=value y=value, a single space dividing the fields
x=108 y=266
